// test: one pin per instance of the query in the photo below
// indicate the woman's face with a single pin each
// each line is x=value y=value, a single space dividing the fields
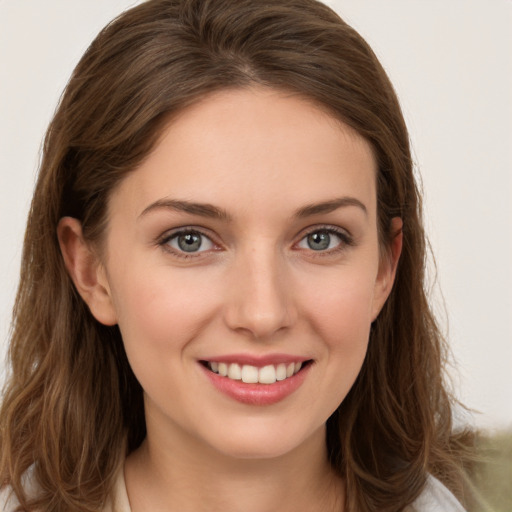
x=247 y=243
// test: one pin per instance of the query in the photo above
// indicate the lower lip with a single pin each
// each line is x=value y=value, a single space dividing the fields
x=257 y=394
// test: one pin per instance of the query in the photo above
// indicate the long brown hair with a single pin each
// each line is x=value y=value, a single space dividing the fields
x=72 y=405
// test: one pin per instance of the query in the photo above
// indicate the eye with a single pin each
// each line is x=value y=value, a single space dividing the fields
x=189 y=242
x=324 y=240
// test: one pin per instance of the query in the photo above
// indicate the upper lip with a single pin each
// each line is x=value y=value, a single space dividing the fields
x=257 y=360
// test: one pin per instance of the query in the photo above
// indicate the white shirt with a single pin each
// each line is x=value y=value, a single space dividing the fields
x=436 y=498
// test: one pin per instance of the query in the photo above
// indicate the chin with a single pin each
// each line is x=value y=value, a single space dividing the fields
x=258 y=443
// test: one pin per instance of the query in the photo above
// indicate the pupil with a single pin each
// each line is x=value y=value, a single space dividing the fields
x=319 y=241
x=190 y=242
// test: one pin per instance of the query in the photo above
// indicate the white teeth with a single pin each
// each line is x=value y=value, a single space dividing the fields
x=281 y=372
x=267 y=375
x=252 y=375
x=223 y=369
x=249 y=374
x=234 y=371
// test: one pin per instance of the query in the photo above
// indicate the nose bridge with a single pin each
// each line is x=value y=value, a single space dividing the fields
x=260 y=299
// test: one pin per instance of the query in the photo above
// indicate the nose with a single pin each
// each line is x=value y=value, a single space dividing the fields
x=260 y=296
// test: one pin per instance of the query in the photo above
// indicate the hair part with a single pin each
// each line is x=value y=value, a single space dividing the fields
x=72 y=407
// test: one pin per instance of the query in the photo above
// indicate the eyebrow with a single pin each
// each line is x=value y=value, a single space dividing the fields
x=329 y=206
x=210 y=211
x=201 y=209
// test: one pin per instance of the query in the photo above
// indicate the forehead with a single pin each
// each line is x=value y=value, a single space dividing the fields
x=253 y=147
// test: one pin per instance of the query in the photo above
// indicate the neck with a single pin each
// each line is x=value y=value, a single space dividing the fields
x=179 y=474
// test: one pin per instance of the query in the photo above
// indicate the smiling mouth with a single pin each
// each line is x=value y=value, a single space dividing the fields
x=249 y=374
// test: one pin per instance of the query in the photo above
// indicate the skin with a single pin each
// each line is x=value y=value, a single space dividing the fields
x=255 y=287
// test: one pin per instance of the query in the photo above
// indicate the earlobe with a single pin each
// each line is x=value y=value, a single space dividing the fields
x=387 y=267
x=86 y=271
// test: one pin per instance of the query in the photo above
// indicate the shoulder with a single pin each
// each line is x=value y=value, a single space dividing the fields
x=119 y=500
x=8 y=501
x=436 y=498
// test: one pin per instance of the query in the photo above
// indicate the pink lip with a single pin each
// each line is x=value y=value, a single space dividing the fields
x=257 y=394
x=258 y=361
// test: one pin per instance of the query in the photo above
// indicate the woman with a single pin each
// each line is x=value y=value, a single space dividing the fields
x=222 y=296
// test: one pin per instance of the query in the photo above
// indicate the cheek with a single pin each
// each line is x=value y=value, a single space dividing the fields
x=340 y=315
x=340 y=307
x=160 y=311
x=159 y=315
x=344 y=325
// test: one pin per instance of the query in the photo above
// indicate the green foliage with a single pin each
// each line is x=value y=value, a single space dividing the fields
x=492 y=473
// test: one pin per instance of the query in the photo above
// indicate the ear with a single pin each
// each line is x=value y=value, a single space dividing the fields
x=86 y=271
x=387 y=267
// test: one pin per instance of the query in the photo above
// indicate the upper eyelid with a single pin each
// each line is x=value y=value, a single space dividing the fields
x=171 y=233
x=163 y=242
x=324 y=227
x=345 y=237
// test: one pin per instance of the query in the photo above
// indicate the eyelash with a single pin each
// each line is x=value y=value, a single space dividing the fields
x=345 y=240
x=165 y=240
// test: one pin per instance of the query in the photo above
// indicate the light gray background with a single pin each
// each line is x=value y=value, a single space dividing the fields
x=450 y=61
